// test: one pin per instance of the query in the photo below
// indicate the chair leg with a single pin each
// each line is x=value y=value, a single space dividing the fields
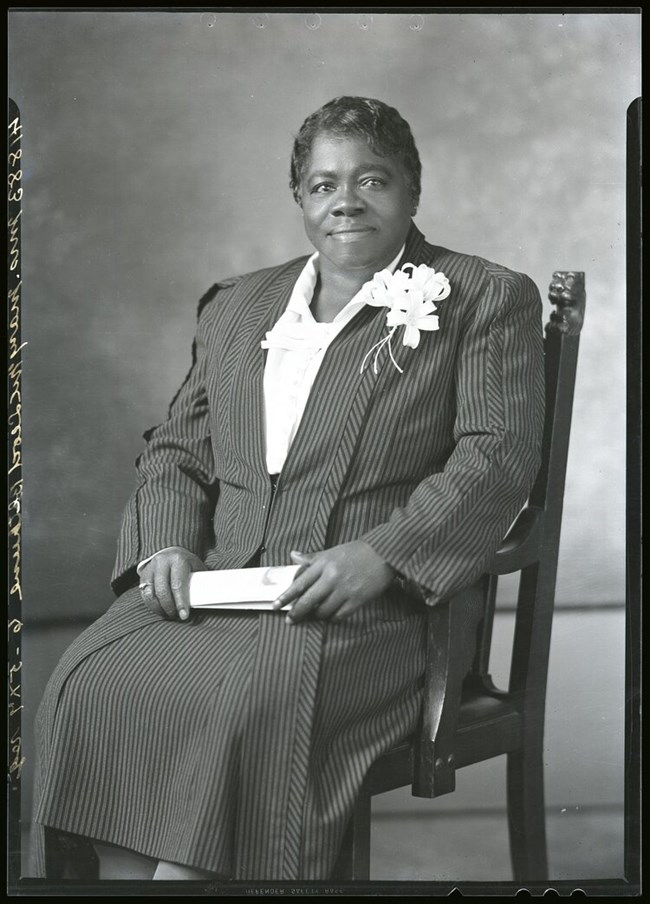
x=354 y=859
x=526 y=816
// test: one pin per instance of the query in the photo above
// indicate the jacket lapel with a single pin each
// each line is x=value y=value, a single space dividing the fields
x=414 y=251
x=257 y=304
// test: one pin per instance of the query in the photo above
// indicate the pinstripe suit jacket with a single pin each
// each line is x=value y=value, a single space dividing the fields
x=429 y=466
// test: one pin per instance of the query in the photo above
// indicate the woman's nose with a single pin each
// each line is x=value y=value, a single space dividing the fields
x=347 y=202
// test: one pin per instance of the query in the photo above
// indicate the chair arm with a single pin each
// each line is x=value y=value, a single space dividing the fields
x=449 y=654
x=449 y=642
x=521 y=545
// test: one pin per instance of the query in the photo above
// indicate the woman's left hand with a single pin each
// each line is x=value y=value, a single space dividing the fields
x=333 y=583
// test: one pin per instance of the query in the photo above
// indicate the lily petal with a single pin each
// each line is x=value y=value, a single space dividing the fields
x=411 y=336
x=442 y=288
x=395 y=317
x=428 y=307
x=429 y=323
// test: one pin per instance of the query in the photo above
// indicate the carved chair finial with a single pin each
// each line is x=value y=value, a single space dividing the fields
x=567 y=293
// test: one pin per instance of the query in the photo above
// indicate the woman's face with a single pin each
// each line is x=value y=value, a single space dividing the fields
x=357 y=206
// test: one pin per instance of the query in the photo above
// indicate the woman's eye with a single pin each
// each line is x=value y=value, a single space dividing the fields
x=321 y=188
x=373 y=182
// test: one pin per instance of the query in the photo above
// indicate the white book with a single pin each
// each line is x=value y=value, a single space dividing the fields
x=240 y=588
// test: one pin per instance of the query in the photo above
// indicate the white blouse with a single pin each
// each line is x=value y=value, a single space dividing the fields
x=296 y=348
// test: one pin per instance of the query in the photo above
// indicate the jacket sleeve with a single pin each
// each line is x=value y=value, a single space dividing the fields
x=454 y=521
x=173 y=503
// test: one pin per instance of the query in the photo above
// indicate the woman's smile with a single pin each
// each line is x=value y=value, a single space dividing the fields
x=351 y=233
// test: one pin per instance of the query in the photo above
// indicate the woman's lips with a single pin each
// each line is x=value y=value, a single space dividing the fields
x=353 y=233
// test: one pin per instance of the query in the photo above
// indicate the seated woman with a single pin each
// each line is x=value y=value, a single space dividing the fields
x=372 y=414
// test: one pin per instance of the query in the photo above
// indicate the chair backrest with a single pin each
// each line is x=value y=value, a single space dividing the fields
x=532 y=544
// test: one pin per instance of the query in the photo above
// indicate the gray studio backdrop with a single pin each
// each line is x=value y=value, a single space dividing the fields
x=156 y=149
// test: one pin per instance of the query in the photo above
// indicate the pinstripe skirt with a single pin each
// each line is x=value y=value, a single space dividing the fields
x=234 y=743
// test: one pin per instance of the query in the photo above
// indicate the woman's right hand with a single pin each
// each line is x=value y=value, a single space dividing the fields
x=165 y=582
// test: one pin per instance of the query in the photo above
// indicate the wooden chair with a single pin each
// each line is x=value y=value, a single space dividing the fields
x=466 y=718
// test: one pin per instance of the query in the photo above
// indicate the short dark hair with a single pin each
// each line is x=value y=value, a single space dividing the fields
x=387 y=133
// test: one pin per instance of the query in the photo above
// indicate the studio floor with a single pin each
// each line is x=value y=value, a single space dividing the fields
x=583 y=843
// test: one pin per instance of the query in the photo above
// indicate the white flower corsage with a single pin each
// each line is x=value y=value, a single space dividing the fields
x=410 y=299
